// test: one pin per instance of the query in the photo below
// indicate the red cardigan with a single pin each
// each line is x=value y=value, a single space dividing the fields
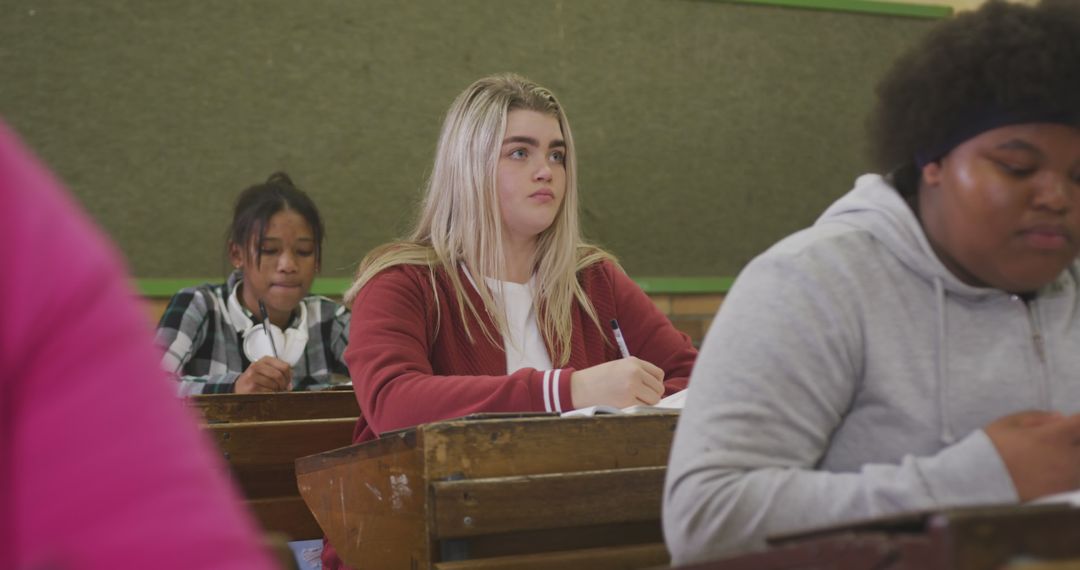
x=406 y=373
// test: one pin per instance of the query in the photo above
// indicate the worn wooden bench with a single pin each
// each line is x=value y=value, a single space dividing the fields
x=514 y=493
x=262 y=435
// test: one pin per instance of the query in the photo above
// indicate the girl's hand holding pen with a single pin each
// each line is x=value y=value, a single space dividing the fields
x=268 y=374
x=621 y=383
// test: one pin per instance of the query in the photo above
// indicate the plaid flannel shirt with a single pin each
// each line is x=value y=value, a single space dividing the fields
x=204 y=350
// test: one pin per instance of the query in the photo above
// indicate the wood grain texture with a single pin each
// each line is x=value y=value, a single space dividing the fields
x=276 y=406
x=493 y=488
x=975 y=538
x=565 y=538
x=494 y=505
x=534 y=446
x=610 y=558
x=280 y=442
x=373 y=510
x=262 y=456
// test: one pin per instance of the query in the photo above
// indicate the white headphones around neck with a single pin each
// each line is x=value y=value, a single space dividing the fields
x=290 y=343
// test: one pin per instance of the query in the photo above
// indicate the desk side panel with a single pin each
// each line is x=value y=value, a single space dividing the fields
x=608 y=558
x=473 y=507
x=560 y=539
x=373 y=507
x=279 y=443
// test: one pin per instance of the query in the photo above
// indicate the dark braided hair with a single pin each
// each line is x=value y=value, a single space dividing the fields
x=257 y=204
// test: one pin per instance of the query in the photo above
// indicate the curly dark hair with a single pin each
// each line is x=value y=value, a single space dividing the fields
x=1002 y=59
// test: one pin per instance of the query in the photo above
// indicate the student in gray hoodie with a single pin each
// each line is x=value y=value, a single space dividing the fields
x=919 y=346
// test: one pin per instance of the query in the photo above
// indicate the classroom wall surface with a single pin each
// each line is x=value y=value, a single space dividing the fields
x=706 y=130
x=961 y=5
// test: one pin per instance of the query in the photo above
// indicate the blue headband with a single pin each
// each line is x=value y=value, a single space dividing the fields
x=980 y=122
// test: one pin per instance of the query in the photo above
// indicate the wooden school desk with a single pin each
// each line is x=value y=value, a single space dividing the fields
x=231 y=408
x=261 y=435
x=497 y=492
x=986 y=538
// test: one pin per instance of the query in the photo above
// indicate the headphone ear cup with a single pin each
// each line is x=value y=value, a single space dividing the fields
x=294 y=345
x=257 y=344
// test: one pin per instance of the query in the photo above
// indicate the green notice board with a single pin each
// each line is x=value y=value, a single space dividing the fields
x=706 y=130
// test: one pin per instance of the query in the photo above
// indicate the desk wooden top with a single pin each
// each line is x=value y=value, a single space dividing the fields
x=501 y=446
x=978 y=538
x=274 y=406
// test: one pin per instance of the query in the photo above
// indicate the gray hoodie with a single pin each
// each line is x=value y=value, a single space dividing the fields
x=849 y=375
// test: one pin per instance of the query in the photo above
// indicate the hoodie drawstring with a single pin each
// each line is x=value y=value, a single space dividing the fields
x=942 y=383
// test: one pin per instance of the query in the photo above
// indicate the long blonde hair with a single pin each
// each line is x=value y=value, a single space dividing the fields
x=460 y=222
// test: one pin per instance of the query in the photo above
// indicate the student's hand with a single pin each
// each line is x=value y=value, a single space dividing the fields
x=620 y=383
x=1041 y=450
x=268 y=374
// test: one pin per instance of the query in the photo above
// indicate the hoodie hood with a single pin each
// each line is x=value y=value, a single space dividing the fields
x=876 y=207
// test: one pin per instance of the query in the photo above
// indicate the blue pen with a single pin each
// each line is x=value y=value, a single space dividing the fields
x=625 y=352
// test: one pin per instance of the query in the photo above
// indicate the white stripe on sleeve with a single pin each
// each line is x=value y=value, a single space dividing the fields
x=547 y=392
x=555 y=390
